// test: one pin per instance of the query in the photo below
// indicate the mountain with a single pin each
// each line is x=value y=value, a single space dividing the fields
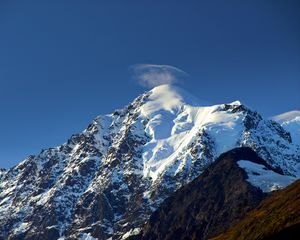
x=2 y=172
x=277 y=217
x=222 y=196
x=290 y=121
x=209 y=204
x=106 y=181
x=287 y=116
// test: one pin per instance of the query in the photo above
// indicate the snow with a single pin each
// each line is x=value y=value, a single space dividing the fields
x=87 y=236
x=288 y=116
x=290 y=121
x=225 y=129
x=293 y=126
x=21 y=227
x=2 y=172
x=265 y=179
x=131 y=232
x=173 y=122
x=168 y=98
x=237 y=103
x=168 y=132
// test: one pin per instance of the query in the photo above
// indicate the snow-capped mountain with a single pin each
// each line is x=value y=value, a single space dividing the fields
x=223 y=196
x=207 y=206
x=290 y=121
x=287 y=116
x=106 y=181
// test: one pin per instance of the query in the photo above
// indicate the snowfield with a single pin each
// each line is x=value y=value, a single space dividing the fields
x=266 y=180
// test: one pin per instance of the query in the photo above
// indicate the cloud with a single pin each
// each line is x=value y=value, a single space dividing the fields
x=151 y=75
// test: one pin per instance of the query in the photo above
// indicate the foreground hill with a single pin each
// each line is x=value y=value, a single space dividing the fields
x=277 y=217
x=107 y=181
x=221 y=196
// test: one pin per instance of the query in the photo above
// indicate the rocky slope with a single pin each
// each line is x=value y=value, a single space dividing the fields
x=106 y=181
x=221 y=196
x=277 y=217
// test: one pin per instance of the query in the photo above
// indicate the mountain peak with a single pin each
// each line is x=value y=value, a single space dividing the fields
x=287 y=116
x=236 y=103
x=169 y=98
x=290 y=121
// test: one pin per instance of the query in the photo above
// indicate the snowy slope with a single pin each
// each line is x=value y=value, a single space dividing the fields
x=290 y=121
x=285 y=117
x=106 y=181
x=265 y=179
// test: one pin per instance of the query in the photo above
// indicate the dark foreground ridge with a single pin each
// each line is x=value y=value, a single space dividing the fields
x=277 y=217
x=206 y=207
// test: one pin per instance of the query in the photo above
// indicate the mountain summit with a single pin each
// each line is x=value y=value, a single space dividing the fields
x=106 y=181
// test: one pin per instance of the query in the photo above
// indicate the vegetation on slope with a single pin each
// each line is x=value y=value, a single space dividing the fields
x=277 y=217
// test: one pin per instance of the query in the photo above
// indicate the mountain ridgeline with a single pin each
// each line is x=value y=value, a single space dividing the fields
x=220 y=197
x=107 y=181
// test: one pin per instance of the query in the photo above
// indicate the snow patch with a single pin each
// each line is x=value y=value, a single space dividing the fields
x=22 y=227
x=87 y=236
x=131 y=232
x=265 y=179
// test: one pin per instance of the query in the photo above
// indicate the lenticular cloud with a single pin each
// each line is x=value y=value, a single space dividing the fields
x=151 y=75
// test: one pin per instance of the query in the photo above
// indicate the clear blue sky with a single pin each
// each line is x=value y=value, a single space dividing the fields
x=64 y=62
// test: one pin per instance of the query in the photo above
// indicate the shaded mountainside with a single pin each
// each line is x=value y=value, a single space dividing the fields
x=277 y=217
x=219 y=197
x=106 y=181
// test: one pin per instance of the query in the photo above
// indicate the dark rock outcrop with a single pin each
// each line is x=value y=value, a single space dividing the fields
x=211 y=203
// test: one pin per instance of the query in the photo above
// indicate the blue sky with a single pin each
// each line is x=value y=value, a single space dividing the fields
x=64 y=62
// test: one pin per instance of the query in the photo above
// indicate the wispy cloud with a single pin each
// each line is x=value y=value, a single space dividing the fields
x=151 y=75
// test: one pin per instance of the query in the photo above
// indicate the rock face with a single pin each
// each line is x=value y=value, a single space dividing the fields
x=106 y=181
x=279 y=218
x=219 y=197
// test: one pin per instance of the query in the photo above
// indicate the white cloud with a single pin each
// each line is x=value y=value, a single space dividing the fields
x=151 y=75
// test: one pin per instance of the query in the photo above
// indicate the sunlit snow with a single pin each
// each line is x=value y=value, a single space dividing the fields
x=267 y=180
x=175 y=118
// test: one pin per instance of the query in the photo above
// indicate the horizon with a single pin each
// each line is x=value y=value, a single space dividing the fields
x=63 y=64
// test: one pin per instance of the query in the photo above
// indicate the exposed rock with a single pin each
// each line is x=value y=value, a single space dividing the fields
x=208 y=205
